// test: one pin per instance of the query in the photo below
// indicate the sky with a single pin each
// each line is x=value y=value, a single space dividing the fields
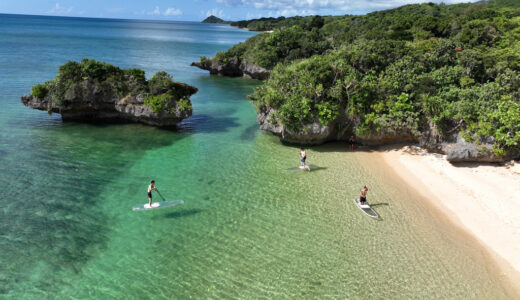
x=197 y=10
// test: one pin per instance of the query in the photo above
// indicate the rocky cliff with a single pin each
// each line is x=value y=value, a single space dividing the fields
x=453 y=145
x=91 y=105
x=233 y=67
x=111 y=94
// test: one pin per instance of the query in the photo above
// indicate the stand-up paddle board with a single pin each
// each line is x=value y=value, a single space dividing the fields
x=366 y=209
x=157 y=205
x=306 y=168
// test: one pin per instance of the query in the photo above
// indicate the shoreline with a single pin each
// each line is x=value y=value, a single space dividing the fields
x=479 y=199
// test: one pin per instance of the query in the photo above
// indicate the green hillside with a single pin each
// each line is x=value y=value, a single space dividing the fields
x=451 y=67
x=214 y=20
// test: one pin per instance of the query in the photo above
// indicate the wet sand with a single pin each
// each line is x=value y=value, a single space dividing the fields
x=481 y=199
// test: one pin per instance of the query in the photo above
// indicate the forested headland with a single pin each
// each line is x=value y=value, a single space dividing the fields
x=429 y=73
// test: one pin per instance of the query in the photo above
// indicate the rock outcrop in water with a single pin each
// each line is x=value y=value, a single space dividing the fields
x=93 y=91
x=233 y=67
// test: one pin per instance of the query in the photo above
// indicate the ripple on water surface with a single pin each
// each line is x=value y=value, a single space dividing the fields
x=248 y=229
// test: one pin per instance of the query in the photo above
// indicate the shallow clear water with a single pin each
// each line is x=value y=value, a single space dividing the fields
x=248 y=228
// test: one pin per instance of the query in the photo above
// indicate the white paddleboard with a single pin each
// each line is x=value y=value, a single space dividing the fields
x=156 y=205
x=366 y=209
x=306 y=168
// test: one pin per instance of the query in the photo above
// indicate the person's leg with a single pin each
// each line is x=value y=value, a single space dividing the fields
x=149 y=200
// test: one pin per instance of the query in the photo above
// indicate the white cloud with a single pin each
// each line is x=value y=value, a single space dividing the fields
x=215 y=12
x=60 y=10
x=155 y=12
x=291 y=12
x=281 y=6
x=170 y=11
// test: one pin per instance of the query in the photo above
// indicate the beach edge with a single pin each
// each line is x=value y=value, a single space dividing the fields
x=432 y=177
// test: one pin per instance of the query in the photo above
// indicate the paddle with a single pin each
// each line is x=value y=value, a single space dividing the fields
x=161 y=195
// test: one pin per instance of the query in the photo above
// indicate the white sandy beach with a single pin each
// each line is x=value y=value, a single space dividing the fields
x=484 y=199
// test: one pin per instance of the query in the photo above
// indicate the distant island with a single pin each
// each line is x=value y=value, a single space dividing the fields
x=215 y=20
x=94 y=91
x=444 y=76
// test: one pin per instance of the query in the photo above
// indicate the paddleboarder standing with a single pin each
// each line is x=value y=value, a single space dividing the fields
x=151 y=188
x=363 y=197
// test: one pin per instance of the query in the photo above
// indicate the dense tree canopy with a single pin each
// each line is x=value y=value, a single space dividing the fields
x=454 y=66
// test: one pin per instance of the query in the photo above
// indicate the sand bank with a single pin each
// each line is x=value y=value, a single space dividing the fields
x=484 y=199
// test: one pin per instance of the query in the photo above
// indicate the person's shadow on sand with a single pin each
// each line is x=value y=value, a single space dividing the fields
x=378 y=204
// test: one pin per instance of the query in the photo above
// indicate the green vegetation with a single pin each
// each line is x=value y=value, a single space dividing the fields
x=267 y=24
x=164 y=91
x=215 y=20
x=184 y=104
x=400 y=71
x=160 y=92
x=39 y=91
x=282 y=46
x=158 y=103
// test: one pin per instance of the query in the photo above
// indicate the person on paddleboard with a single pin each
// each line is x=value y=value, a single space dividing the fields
x=303 y=155
x=363 y=197
x=151 y=188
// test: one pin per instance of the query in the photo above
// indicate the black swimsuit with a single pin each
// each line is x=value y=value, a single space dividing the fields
x=150 y=194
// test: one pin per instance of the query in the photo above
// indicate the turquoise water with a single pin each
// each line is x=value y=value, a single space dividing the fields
x=248 y=228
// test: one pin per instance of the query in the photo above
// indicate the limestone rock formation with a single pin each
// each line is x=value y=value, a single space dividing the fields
x=234 y=67
x=456 y=148
x=93 y=91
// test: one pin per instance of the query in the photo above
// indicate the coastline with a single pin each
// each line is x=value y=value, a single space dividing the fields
x=480 y=199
